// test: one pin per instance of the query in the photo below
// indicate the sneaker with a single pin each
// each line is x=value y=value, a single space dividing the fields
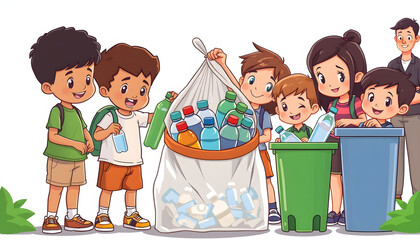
x=274 y=216
x=135 y=221
x=51 y=225
x=103 y=223
x=77 y=224
x=332 y=218
x=342 y=219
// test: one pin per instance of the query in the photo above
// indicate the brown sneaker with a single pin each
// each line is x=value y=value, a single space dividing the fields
x=77 y=224
x=51 y=225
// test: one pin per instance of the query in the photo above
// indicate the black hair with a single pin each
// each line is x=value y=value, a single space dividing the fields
x=405 y=23
x=62 y=48
x=347 y=48
x=390 y=77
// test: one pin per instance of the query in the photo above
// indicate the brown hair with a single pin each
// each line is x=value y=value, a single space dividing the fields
x=132 y=59
x=262 y=59
x=297 y=84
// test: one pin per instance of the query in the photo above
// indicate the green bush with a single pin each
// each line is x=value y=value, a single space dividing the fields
x=13 y=218
x=407 y=219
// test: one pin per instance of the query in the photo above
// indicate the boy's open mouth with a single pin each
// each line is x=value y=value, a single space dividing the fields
x=295 y=117
x=79 y=95
x=376 y=111
x=335 y=89
x=130 y=102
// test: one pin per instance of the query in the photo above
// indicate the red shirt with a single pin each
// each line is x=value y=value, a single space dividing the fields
x=343 y=111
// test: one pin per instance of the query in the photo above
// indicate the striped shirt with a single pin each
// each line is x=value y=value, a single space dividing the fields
x=343 y=111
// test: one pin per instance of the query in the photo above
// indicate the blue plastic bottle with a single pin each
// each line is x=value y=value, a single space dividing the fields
x=250 y=114
x=324 y=126
x=120 y=143
x=204 y=111
x=231 y=195
x=229 y=133
x=244 y=131
x=286 y=136
x=210 y=138
x=193 y=121
x=176 y=118
x=225 y=106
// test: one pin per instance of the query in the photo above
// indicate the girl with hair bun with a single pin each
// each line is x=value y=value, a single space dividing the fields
x=337 y=65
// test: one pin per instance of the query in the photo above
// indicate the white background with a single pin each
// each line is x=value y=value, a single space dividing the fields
x=166 y=29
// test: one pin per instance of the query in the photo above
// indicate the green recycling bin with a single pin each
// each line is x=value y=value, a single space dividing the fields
x=303 y=172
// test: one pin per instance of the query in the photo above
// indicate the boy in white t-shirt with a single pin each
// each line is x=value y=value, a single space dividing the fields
x=124 y=75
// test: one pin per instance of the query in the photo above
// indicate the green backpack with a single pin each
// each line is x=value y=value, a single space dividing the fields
x=351 y=106
x=97 y=119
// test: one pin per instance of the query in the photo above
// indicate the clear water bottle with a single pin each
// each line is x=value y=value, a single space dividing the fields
x=210 y=138
x=244 y=131
x=324 y=126
x=250 y=114
x=120 y=143
x=176 y=118
x=221 y=210
x=286 y=136
x=204 y=111
x=193 y=121
x=229 y=134
x=231 y=195
x=239 y=111
x=225 y=106
x=246 y=199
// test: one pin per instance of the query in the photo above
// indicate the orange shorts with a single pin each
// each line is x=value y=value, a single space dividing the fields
x=267 y=163
x=112 y=177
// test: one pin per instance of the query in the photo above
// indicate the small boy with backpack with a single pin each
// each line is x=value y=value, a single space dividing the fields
x=124 y=75
x=296 y=100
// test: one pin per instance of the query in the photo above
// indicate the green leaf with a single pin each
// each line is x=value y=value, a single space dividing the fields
x=21 y=212
x=6 y=202
x=16 y=225
x=19 y=203
x=396 y=213
x=402 y=204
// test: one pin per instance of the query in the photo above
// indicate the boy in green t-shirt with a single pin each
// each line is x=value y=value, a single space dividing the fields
x=296 y=100
x=63 y=61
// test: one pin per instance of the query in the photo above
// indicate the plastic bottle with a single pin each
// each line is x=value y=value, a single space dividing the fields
x=225 y=106
x=324 y=126
x=229 y=134
x=244 y=131
x=231 y=195
x=221 y=210
x=250 y=114
x=210 y=138
x=193 y=121
x=239 y=111
x=170 y=196
x=186 y=221
x=157 y=126
x=246 y=199
x=120 y=143
x=187 y=137
x=176 y=118
x=185 y=196
x=204 y=111
x=208 y=222
x=286 y=136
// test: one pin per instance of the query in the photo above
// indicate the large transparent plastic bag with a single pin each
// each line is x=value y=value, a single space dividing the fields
x=201 y=190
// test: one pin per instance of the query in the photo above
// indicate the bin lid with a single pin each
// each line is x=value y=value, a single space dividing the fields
x=303 y=146
x=369 y=132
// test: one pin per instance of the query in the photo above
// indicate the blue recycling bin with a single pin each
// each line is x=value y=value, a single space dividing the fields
x=369 y=161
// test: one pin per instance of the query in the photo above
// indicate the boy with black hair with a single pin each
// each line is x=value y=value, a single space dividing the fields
x=406 y=37
x=63 y=61
x=387 y=93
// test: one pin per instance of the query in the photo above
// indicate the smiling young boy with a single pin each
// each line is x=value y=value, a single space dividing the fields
x=296 y=100
x=387 y=93
x=124 y=75
x=63 y=61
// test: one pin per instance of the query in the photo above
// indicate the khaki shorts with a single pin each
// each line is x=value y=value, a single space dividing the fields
x=112 y=177
x=65 y=173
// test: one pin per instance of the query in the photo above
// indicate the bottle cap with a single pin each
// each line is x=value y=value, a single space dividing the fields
x=168 y=95
x=241 y=107
x=188 y=189
x=231 y=184
x=230 y=95
x=279 y=129
x=188 y=110
x=243 y=190
x=246 y=122
x=202 y=104
x=181 y=126
x=208 y=121
x=333 y=110
x=249 y=112
x=211 y=195
x=176 y=116
x=233 y=120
